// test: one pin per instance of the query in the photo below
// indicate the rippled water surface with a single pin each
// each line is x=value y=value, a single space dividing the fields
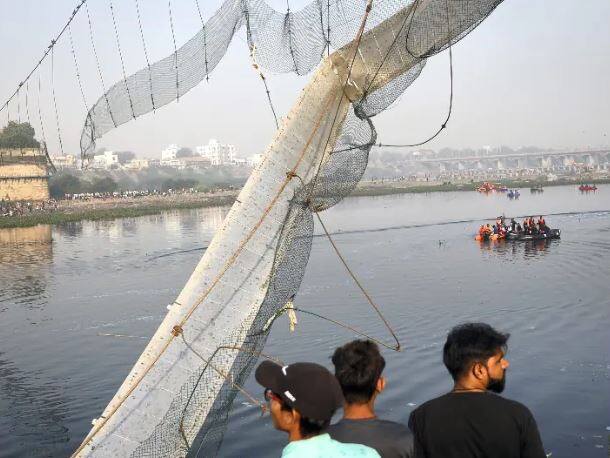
x=67 y=291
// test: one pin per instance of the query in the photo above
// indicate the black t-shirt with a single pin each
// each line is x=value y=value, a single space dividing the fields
x=390 y=439
x=475 y=425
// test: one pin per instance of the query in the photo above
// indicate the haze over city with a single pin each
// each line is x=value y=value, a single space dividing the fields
x=535 y=74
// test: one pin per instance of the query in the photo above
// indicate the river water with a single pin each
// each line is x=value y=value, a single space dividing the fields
x=66 y=291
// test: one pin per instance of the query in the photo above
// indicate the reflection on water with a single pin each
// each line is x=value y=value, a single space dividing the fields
x=25 y=256
x=63 y=288
x=508 y=250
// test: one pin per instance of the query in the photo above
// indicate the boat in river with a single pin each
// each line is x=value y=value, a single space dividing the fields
x=551 y=234
x=587 y=188
x=548 y=235
x=535 y=189
x=513 y=194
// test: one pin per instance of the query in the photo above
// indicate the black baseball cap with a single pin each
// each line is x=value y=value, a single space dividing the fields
x=308 y=388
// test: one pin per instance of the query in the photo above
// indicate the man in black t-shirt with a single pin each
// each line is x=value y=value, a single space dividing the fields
x=358 y=367
x=472 y=421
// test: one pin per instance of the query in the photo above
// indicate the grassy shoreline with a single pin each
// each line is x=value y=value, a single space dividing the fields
x=143 y=208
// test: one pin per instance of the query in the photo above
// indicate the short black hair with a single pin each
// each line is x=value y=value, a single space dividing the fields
x=308 y=426
x=358 y=366
x=469 y=343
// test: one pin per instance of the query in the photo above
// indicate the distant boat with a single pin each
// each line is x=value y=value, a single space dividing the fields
x=486 y=187
x=535 y=189
x=587 y=188
x=513 y=194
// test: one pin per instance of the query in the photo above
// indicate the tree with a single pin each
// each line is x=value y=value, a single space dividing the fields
x=184 y=152
x=18 y=135
x=125 y=156
x=105 y=184
x=61 y=185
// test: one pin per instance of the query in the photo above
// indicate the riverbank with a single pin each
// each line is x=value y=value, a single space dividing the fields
x=111 y=208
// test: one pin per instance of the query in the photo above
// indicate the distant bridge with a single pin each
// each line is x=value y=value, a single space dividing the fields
x=541 y=160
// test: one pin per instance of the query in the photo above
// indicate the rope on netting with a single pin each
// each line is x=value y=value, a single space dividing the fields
x=227 y=377
x=139 y=16
x=99 y=67
x=44 y=138
x=118 y=46
x=205 y=41
x=44 y=55
x=171 y=26
x=61 y=143
x=359 y=285
x=450 y=109
x=77 y=70
x=290 y=308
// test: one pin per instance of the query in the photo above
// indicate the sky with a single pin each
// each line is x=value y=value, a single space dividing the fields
x=534 y=73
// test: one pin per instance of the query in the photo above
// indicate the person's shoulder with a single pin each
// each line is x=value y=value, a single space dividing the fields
x=431 y=403
x=390 y=426
x=514 y=406
x=356 y=450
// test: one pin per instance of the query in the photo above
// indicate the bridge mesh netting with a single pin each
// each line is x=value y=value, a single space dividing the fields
x=291 y=42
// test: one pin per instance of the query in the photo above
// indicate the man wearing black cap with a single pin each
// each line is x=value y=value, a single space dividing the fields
x=303 y=398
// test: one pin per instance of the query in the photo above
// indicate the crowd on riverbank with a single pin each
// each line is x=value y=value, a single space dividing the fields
x=9 y=208
x=129 y=194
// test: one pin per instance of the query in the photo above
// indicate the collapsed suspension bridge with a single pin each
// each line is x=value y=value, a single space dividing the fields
x=177 y=397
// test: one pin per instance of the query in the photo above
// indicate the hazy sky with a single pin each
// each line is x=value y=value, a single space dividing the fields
x=535 y=72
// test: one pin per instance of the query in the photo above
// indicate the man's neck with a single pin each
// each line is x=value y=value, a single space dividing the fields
x=359 y=411
x=468 y=385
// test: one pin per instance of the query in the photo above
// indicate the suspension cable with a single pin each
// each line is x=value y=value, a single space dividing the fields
x=358 y=39
x=27 y=101
x=44 y=138
x=288 y=23
x=77 y=70
x=19 y=105
x=139 y=16
x=171 y=25
x=99 y=67
x=450 y=108
x=257 y=68
x=118 y=46
x=45 y=54
x=205 y=42
x=61 y=143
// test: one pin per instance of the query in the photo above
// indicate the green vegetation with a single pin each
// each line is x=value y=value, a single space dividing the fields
x=18 y=135
x=65 y=183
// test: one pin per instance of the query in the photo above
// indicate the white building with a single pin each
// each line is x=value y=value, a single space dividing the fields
x=217 y=153
x=255 y=159
x=106 y=160
x=65 y=162
x=137 y=164
x=169 y=153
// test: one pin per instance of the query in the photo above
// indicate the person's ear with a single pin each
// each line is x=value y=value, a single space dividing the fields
x=381 y=382
x=479 y=371
x=295 y=418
